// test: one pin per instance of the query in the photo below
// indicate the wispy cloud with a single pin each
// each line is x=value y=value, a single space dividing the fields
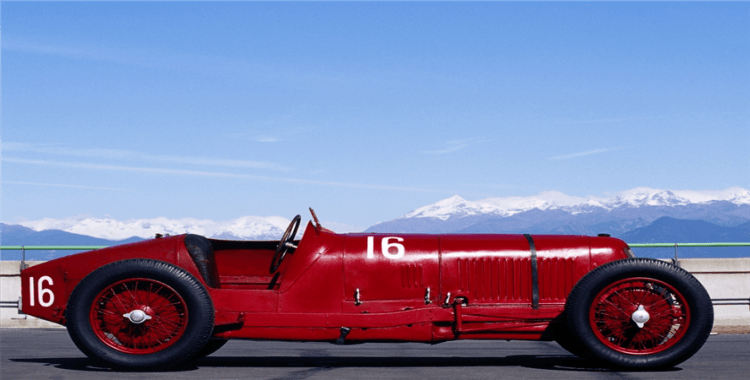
x=581 y=154
x=266 y=139
x=159 y=58
x=453 y=146
x=196 y=173
x=60 y=185
x=593 y=121
x=280 y=133
x=78 y=51
x=134 y=155
x=256 y=137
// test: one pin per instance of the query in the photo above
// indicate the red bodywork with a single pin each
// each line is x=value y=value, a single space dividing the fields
x=382 y=287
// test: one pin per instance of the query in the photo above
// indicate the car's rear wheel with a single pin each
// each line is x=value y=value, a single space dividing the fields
x=639 y=313
x=140 y=314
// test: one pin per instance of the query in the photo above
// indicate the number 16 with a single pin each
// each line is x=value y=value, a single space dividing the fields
x=385 y=247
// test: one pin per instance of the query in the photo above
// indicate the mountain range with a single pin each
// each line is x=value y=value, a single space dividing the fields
x=19 y=235
x=557 y=213
x=640 y=215
x=243 y=228
x=106 y=232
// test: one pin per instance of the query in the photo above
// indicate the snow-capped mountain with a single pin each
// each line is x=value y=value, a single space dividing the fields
x=644 y=196
x=244 y=228
x=547 y=212
x=456 y=206
x=555 y=212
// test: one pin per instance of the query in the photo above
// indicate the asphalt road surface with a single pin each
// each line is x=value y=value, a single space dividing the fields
x=49 y=354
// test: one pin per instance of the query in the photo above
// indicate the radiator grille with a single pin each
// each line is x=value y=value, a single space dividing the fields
x=495 y=279
x=509 y=279
x=555 y=278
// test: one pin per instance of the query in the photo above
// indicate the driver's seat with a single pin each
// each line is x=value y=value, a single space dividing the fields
x=202 y=252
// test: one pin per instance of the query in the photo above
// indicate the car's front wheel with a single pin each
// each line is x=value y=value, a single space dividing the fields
x=140 y=314
x=213 y=345
x=639 y=313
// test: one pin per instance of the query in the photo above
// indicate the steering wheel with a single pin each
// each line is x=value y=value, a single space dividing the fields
x=285 y=243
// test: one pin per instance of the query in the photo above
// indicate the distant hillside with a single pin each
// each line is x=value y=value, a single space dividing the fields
x=744 y=225
x=18 y=235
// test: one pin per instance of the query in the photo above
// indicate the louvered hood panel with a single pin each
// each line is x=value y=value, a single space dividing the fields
x=495 y=279
x=497 y=269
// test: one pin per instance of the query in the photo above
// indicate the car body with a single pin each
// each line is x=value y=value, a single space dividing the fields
x=164 y=301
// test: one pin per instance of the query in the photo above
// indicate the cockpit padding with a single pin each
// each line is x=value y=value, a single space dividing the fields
x=202 y=252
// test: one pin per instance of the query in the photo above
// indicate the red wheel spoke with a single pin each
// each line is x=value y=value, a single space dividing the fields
x=151 y=294
x=646 y=293
x=621 y=296
x=169 y=322
x=661 y=313
x=610 y=323
x=130 y=294
x=158 y=339
x=109 y=312
x=161 y=329
x=655 y=303
x=657 y=336
x=169 y=305
x=116 y=298
x=612 y=305
x=136 y=294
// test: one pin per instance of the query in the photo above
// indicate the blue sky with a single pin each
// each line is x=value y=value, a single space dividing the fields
x=363 y=111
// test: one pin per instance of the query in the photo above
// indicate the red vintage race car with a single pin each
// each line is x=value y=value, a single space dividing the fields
x=169 y=300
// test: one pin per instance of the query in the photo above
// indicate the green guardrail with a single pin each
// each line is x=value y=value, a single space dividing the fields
x=51 y=247
x=675 y=245
x=24 y=248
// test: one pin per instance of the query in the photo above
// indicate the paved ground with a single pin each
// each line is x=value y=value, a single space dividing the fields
x=49 y=354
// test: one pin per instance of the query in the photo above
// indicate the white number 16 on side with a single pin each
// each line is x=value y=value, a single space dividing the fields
x=43 y=293
x=385 y=247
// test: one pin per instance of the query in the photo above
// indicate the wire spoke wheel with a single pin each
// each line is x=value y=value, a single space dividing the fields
x=164 y=315
x=611 y=316
x=638 y=313
x=140 y=314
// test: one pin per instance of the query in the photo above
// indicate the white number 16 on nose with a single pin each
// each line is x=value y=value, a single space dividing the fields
x=385 y=247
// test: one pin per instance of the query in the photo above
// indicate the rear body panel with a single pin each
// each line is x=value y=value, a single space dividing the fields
x=56 y=279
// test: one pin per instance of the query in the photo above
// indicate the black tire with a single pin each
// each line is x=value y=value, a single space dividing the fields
x=213 y=345
x=170 y=320
x=601 y=308
x=564 y=338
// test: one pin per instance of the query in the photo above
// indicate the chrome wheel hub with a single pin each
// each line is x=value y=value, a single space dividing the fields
x=640 y=316
x=137 y=316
